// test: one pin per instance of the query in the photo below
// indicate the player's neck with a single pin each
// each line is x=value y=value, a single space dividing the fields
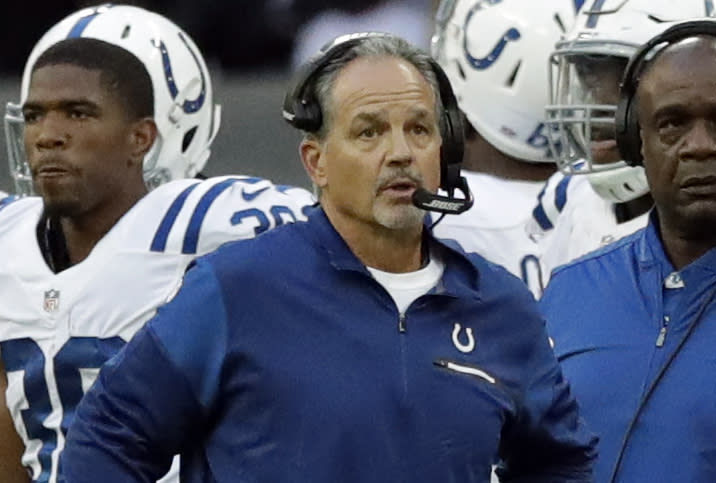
x=82 y=233
x=482 y=157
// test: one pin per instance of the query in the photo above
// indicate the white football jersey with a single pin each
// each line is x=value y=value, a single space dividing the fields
x=495 y=226
x=580 y=221
x=57 y=330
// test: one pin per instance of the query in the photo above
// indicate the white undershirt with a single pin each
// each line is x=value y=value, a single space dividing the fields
x=406 y=287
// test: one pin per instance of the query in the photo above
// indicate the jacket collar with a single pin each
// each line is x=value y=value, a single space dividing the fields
x=651 y=251
x=461 y=277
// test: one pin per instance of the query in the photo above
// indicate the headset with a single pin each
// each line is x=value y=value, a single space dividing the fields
x=626 y=118
x=302 y=110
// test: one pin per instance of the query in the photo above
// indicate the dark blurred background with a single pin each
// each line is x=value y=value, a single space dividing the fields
x=251 y=47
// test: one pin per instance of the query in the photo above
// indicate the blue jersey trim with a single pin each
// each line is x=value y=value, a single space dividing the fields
x=539 y=214
x=159 y=244
x=191 y=238
x=560 y=194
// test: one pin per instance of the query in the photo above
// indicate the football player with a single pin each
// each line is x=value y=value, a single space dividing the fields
x=495 y=54
x=596 y=198
x=115 y=100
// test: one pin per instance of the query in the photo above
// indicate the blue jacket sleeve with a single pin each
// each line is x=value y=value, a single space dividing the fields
x=548 y=441
x=151 y=398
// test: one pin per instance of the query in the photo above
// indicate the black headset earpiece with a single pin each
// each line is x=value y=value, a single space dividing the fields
x=626 y=118
x=302 y=110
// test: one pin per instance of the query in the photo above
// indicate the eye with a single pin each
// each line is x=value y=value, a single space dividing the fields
x=78 y=114
x=421 y=129
x=368 y=133
x=30 y=116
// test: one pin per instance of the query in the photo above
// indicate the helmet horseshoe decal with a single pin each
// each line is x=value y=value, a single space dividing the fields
x=189 y=105
x=483 y=63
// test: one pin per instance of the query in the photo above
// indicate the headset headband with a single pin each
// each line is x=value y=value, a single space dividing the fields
x=626 y=119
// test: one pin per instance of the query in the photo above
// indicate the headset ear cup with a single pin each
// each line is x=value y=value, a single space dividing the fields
x=452 y=151
x=307 y=116
x=626 y=121
x=453 y=133
x=632 y=120
x=627 y=128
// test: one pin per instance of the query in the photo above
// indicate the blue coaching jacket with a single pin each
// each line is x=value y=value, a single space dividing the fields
x=283 y=360
x=636 y=341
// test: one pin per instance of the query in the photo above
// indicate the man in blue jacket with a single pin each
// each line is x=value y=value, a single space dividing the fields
x=354 y=347
x=634 y=324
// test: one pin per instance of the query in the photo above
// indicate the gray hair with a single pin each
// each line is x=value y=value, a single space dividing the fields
x=378 y=46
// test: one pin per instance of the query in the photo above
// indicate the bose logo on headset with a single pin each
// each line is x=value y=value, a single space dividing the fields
x=626 y=118
x=302 y=110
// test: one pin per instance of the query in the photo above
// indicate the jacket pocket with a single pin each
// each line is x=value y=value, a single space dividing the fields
x=462 y=368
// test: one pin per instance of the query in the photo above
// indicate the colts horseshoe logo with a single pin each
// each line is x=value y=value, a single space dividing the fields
x=464 y=348
x=483 y=63
x=190 y=105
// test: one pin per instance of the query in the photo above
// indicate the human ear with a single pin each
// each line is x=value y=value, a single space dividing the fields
x=314 y=161
x=141 y=137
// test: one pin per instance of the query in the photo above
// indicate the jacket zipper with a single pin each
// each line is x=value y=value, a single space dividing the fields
x=662 y=332
x=465 y=369
x=402 y=328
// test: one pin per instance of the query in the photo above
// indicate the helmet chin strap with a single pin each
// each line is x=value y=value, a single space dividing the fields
x=619 y=185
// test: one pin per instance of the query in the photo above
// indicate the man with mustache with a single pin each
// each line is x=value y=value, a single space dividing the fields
x=354 y=347
x=634 y=322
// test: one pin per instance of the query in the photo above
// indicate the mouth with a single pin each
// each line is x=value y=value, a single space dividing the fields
x=50 y=170
x=399 y=187
x=700 y=185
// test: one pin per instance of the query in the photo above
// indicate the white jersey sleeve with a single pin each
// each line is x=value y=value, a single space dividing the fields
x=550 y=204
x=495 y=226
x=586 y=223
x=203 y=215
x=58 y=329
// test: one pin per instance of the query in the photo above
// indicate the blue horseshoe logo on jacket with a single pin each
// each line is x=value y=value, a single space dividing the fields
x=483 y=63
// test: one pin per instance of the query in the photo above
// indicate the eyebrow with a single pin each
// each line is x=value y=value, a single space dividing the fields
x=370 y=117
x=377 y=116
x=63 y=104
x=669 y=110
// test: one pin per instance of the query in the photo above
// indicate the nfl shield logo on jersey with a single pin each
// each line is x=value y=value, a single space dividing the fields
x=52 y=300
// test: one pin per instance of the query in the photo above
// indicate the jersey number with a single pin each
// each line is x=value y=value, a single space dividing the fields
x=76 y=354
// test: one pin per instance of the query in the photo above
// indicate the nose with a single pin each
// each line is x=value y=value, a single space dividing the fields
x=50 y=132
x=399 y=151
x=700 y=141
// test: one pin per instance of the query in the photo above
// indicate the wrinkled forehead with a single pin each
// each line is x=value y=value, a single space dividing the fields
x=369 y=80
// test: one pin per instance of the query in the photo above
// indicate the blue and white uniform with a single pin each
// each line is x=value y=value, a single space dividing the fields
x=58 y=329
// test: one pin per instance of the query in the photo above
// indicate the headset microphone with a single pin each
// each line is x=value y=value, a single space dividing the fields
x=449 y=205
